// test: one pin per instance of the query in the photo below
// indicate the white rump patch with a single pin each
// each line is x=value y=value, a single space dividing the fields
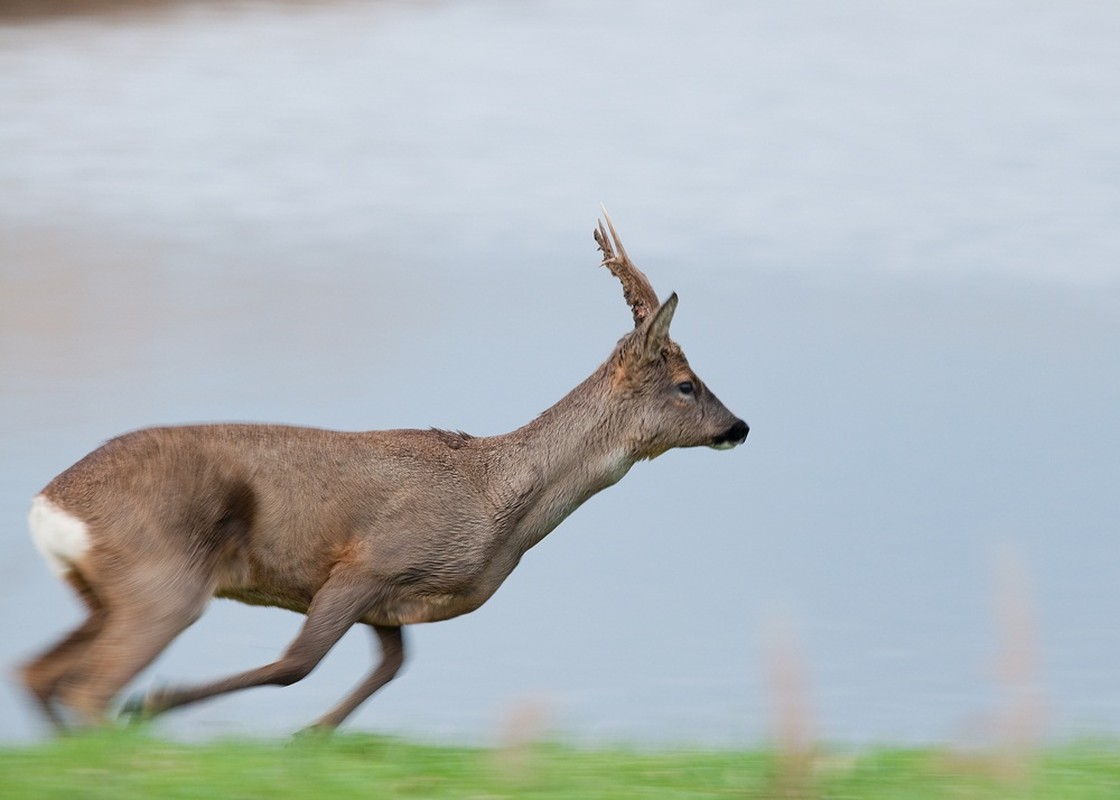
x=62 y=538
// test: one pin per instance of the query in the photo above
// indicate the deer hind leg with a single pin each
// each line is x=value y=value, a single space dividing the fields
x=43 y=675
x=141 y=621
x=342 y=601
x=392 y=657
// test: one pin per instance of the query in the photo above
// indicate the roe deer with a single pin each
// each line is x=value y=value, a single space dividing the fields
x=383 y=528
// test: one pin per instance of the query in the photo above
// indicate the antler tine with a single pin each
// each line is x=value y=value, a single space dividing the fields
x=636 y=287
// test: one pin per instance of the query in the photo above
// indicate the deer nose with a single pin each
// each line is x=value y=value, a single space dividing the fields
x=735 y=435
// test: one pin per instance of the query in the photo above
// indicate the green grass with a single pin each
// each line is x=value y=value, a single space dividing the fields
x=123 y=764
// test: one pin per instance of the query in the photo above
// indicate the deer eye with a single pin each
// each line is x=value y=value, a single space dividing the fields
x=686 y=387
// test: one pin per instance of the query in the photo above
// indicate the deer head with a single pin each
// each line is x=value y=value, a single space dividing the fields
x=667 y=404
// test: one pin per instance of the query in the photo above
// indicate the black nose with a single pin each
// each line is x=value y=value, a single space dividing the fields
x=736 y=434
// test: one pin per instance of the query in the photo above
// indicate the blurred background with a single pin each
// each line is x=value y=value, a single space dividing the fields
x=895 y=232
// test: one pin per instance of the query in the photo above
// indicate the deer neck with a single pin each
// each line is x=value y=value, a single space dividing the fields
x=551 y=466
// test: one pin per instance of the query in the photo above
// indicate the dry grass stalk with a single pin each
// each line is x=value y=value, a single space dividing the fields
x=794 y=746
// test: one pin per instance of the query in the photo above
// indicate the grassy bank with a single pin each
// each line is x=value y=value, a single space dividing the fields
x=119 y=765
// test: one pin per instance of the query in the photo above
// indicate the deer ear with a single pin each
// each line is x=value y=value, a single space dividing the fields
x=657 y=328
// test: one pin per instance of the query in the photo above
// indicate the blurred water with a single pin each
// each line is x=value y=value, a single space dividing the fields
x=893 y=230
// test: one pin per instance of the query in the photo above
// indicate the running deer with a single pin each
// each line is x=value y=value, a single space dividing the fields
x=384 y=528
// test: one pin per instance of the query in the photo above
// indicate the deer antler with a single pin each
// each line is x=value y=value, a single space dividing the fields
x=635 y=286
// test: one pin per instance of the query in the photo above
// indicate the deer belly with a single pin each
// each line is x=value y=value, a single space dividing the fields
x=425 y=608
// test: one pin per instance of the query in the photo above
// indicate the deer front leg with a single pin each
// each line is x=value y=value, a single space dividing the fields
x=338 y=605
x=392 y=657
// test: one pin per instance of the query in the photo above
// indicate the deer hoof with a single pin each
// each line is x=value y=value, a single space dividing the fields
x=314 y=732
x=139 y=708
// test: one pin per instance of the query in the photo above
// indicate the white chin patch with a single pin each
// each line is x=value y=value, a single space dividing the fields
x=724 y=445
x=62 y=538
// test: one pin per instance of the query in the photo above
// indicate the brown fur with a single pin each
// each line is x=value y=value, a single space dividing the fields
x=383 y=528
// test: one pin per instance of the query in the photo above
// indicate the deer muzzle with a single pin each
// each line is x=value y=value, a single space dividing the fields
x=732 y=437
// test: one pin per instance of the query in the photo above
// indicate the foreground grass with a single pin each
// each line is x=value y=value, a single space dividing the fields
x=121 y=765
